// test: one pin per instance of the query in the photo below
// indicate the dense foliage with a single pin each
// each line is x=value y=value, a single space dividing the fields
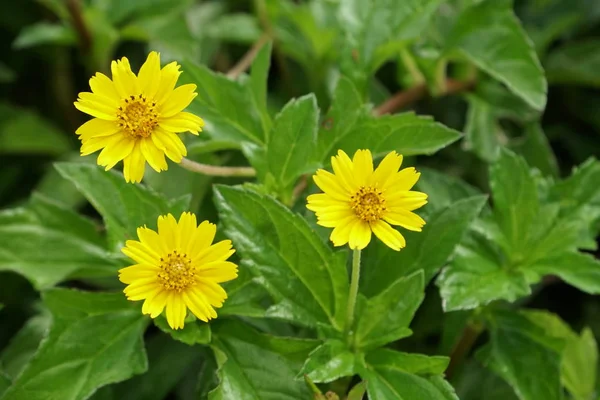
x=495 y=102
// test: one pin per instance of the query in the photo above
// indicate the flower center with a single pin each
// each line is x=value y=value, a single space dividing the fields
x=177 y=272
x=368 y=204
x=137 y=116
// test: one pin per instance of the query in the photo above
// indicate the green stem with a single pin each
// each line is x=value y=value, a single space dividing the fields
x=353 y=291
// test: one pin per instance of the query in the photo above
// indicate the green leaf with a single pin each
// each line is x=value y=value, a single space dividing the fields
x=376 y=30
x=45 y=33
x=23 y=345
x=406 y=133
x=489 y=35
x=358 y=391
x=428 y=250
x=239 y=28
x=168 y=361
x=577 y=269
x=386 y=317
x=346 y=110
x=255 y=366
x=24 y=132
x=330 y=361
x=392 y=375
x=123 y=206
x=292 y=141
x=537 y=151
x=48 y=244
x=519 y=346
x=580 y=364
x=192 y=333
x=120 y=11
x=307 y=280
x=5 y=383
x=482 y=132
x=226 y=106
x=476 y=382
x=7 y=75
x=443 y=190
x=95 y=340
x=259 y=76
x=575 y=64
x=477 y=277
x=516 y=202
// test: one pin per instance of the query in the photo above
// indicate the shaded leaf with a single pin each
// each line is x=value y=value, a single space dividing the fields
x=48 y=244
x=515 y=196
x=95 y=339
x=292 y=141
x=519 y=346
x=477 y=277
x=123 y=206
x=24 y=132
x=580 y=364
x=168 y=360
x=575 y=64
x=226 y=106
x=392 y=375
x=45 y=33
x=386 y=317
x=307 y=280
x=330 y=361
x=194 y=332
x=482 y=132
x=490 y=36
x=255 y=366
x=428 y=250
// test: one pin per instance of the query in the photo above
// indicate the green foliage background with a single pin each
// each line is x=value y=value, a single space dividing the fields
x=496 y=103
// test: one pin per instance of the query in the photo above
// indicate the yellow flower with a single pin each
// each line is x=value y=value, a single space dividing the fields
x=178 y=268
x=358 y=200
x=137 y=117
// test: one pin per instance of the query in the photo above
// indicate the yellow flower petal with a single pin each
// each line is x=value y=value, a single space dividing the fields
x=124 y=79
x=102 y=85
x=168 y=78
x=166 y=275
x=182 y=122
x=359 y=200
x=388 y=235
x=96 y=110
x=360 y=235
x=403 y=180
x=96 y=143
x=187 y=227
x=405 y=219
x=140 y=253
x=149 y=75
x=152 y=154
x=218 y=271
x=115 y=152
x=134 y=165
x=145 y=109
x=96 y=128
x=179 y=99
x=217 y=252
x=363 y=166
x=344 y=171
x=386 y=169
x=170 y=144
x=167 y=229
x=203 y=237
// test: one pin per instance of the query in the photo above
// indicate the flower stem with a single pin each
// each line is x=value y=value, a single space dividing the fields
x=353 y=291
x=214 y=170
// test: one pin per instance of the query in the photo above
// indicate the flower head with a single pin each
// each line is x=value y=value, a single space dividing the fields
x=137 y=118
x=359 y=200
x=178 y=269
